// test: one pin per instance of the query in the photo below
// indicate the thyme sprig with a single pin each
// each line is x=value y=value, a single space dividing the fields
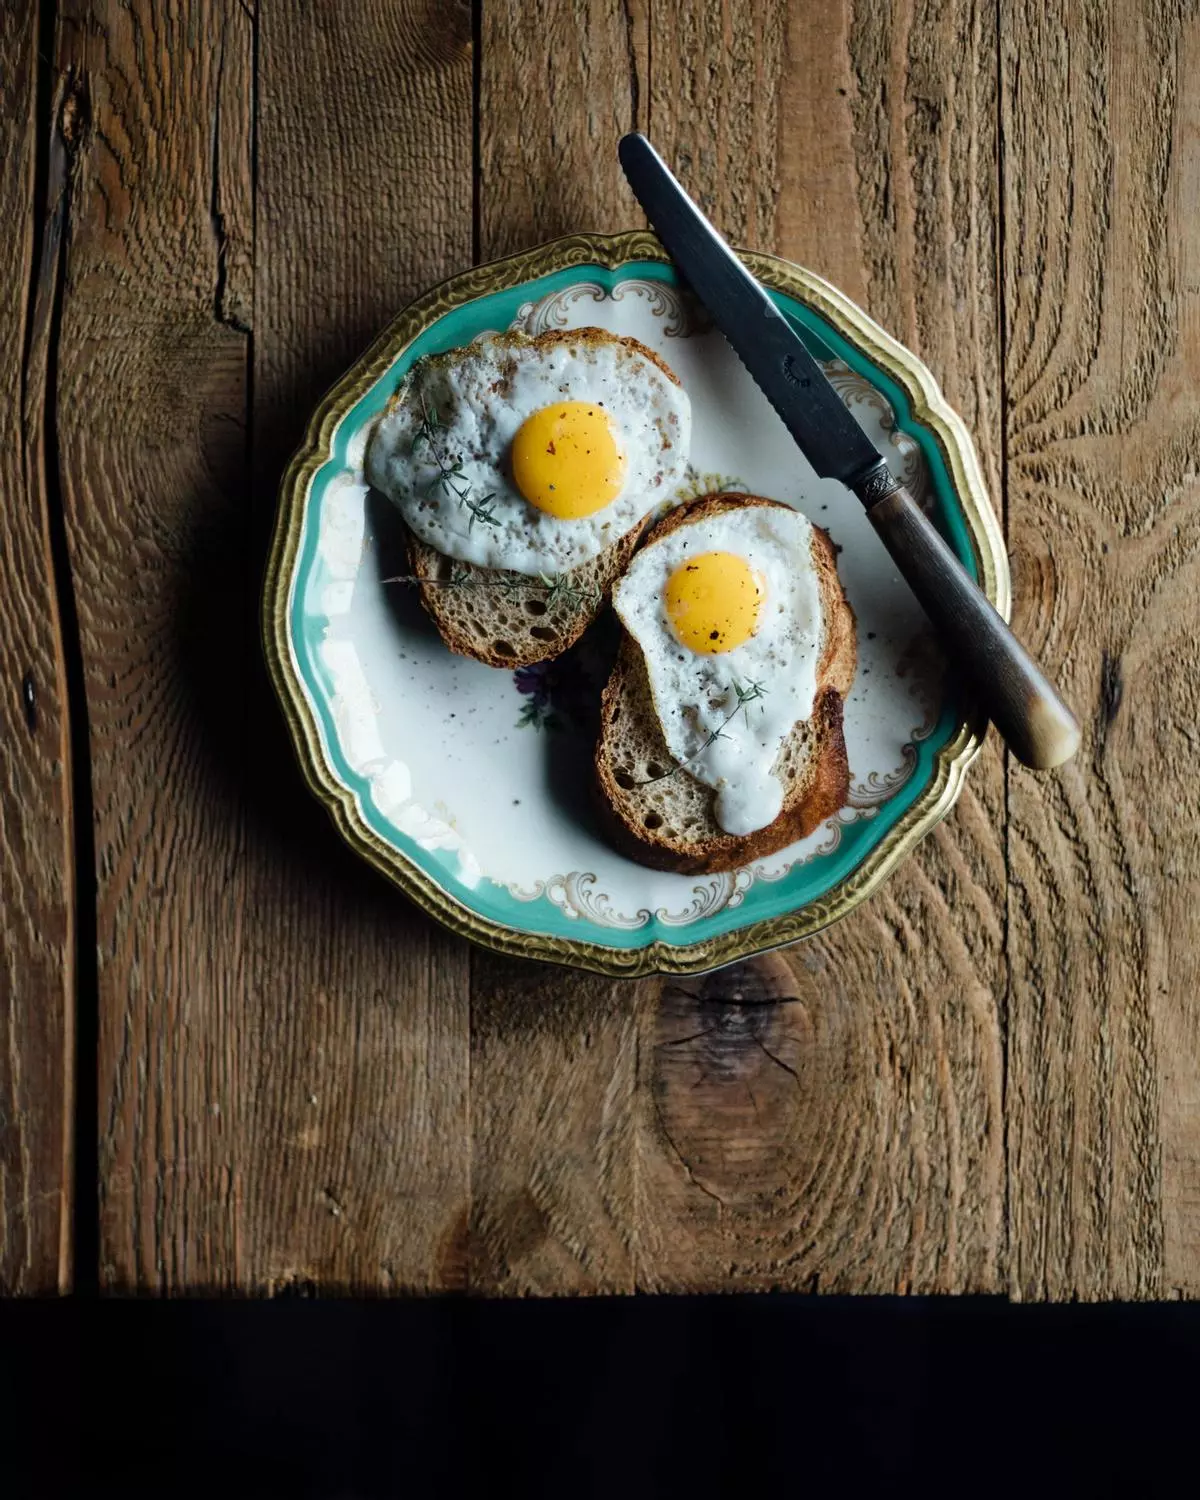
x=554 y=589
x=574 y=593
x=745 y=696
x=450 y=477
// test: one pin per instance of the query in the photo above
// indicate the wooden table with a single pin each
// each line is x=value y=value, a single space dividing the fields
x=231 y=1058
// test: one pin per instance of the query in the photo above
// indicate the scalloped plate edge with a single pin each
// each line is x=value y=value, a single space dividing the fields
x=927 y=405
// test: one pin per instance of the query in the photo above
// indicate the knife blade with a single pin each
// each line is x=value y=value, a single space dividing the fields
x=1017 y=696
x=763 y=339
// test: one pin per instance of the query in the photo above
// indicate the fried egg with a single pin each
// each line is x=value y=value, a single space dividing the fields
x=727 y=612
x=533 y=455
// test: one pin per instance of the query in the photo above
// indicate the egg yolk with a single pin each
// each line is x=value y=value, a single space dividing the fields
x=567 y=461
x=713 y=602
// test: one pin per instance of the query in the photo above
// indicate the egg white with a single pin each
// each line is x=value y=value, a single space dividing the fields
x=696 y=696
x=482 y=394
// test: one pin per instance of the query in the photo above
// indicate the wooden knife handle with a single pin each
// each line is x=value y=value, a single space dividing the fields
x=1039 y=727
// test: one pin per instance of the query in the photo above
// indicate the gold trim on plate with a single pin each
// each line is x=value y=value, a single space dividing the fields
x=928 y=406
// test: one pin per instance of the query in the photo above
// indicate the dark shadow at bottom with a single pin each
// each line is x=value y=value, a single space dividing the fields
x=634 y=1397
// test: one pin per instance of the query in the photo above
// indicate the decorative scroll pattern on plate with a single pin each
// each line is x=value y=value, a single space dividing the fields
x=681 y=314
x=857 y=392
x=922 y=665
x=576 y=896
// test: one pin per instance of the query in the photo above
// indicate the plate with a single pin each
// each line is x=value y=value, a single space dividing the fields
x=469 y=787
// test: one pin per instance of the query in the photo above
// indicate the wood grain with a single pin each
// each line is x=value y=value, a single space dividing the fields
x=1101 y=119
x=553 y=1054
x=364 y=199
x=283 y=1049
x=984 y=1079
x=553 y=1079
x=560 y=82
x=37 y=947
x=850 y=1131
x=716 y=90
x=151 y=410
x=833 y=1118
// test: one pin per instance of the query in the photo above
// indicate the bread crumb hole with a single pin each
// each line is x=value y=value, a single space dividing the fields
x=535 y=606
x=623 y=779
x=654 y=770
x=653 y=820
x=541 y=632
x=503 y=648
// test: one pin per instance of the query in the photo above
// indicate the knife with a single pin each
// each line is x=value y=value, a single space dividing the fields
x=1038 y=726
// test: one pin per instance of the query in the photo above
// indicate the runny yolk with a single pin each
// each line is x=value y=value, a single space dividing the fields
x=567 y=461
x=713 y=602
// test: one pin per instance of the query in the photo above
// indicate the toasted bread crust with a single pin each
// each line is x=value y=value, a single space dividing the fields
x=559 y=628
x=600 y=336
x=807 y=803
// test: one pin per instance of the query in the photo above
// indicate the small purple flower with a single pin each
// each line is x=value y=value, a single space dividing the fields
x=564 y=692
x=535 y=682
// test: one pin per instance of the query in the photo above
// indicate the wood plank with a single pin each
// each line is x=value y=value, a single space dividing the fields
x=282 y=1041
x=37 y=930
x=833 y=1118
x=553 y=1054
x=560 y=82
x=1101 y=120
x=364 y=200
x=151 y=418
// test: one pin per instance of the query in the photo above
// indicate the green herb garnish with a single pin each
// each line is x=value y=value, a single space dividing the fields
x=745 y=696
x=554 y=589
x=450 y=478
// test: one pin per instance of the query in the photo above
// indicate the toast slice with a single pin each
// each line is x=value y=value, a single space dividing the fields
x=508 y=619
x=668 y=823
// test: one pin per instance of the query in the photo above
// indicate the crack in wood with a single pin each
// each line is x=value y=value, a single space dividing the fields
x=68 y=122
x=29 y=701
x=689 y=1171
x=1112 y=691
x=631 y=52
x=778 y=1061
x=223 y=314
